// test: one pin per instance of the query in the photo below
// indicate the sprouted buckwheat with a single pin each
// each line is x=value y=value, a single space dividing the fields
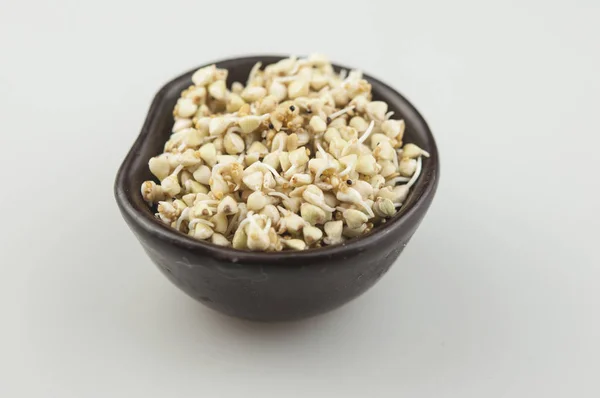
x=299 y=157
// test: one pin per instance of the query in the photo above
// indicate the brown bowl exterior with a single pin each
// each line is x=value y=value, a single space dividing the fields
x=269 y=286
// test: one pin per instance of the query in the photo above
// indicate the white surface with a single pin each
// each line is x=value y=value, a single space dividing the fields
x=496 y=296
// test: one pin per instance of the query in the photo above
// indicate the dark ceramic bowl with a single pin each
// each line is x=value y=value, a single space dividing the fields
x=269 y=286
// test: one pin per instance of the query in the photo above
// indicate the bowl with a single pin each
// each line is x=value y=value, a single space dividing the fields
x=277 y=286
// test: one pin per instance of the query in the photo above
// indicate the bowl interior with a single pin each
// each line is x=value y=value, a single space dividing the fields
x=157 y=129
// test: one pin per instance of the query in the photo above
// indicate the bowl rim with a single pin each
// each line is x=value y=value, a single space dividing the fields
x=161 y=231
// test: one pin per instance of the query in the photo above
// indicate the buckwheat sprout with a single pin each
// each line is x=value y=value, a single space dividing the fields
x=184 y=216
x=327 y=166
x=349 y=168
x=318 y=201
x=208 y=139
x=177 y=170
x=298 y=65
x=232 y=224
x=233 y=129
x=281 y=146
x=252 y=220
x=195 y=221
x=333 y=230
x=367 y=132
x=284 y=211
x=216 y=169
x=277 y=176
x=352 y=196
x=395 y=160
x=320 y=171
x=181 y=124
x=296 y=244
x=415 y=176
x=285 y=79
x=279 y=195
x=355 y=143
x=246 y=220
x=349 y=145
x=366 y=207
x=322 y=151
x=397 y=180
x=341 y=112
x=253 y=72
x=209 y=201
x=324 y=186
x=291 y=170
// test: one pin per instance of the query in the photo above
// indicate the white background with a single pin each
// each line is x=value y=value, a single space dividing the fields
x=497 y=295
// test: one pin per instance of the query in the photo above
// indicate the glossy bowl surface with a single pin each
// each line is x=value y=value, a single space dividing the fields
x=269 y=286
